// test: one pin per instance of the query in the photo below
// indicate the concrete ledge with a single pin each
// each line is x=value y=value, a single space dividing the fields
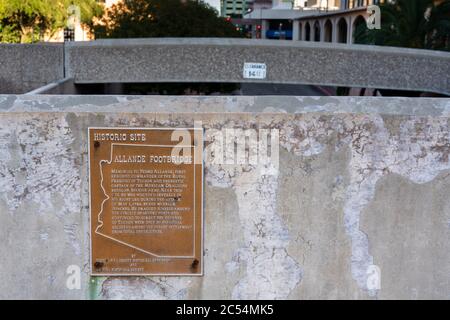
x=225 y=104
x=221 y=60
x=25 y=67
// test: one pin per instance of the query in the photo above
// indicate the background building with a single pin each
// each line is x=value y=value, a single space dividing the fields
x=233 y=8
x=308 y=20
x=259 y=4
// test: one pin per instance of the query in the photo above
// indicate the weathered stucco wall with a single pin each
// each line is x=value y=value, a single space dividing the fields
x=363 y=182
x=24 y=67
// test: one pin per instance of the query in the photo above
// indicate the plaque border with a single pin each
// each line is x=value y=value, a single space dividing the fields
x=108 y=197
x=201 y=273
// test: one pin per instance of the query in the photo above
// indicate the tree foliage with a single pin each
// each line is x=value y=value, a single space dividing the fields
x=25 y=20
x=412 y=24
x=163 y=18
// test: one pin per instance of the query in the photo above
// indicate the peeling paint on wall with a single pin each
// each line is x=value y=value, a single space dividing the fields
x=269 y=266
x=38 y=163
x=146 y=288
x=419 y=152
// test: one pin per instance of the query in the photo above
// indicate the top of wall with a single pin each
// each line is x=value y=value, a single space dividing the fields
x=226 y=42
x=264 y=106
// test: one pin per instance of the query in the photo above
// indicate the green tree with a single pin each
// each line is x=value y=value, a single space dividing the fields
x=28 y=20
x=163 y=18
x=412 y=24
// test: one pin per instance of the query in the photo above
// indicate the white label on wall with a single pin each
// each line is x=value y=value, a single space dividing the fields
x=253 y=70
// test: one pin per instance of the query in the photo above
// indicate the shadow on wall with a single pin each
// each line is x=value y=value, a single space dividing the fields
x=208 y=89
x=218 y=89
x=369 y=92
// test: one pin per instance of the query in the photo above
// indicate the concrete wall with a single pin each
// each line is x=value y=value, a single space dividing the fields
x=362 y=183
x=222 y=60
x=24 y=67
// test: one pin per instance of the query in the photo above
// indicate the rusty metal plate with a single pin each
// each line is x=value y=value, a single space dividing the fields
x=146 y=190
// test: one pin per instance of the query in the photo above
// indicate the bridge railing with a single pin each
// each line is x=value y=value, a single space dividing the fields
x=290 y=62
x=158 y=60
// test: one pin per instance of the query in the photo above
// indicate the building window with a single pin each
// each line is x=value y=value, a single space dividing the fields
x=69 y=35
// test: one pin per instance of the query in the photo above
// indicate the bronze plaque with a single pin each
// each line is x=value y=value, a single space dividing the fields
x=146 y=190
